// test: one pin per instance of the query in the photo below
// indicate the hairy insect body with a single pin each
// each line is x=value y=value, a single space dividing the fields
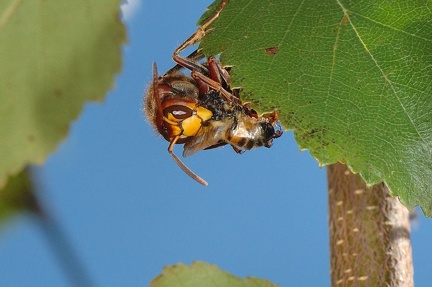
x=250 y=133
x=239 y=125
x=203 y=111
x=184 y=112
x=208 y=121
x=178 y=113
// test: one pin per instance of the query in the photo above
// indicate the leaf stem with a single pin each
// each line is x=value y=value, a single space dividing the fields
x=65 y=253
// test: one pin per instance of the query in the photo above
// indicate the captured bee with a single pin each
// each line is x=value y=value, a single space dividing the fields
x=203 y=111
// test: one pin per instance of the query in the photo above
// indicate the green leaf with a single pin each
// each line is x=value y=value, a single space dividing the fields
x=55 y=55
x=201 y=274
x=352 y=79
x=18 y=196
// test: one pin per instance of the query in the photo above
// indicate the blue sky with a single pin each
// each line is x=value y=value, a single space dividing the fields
x=128 y=210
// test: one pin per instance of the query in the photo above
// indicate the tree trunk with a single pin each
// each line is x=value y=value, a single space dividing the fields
x=369 y=233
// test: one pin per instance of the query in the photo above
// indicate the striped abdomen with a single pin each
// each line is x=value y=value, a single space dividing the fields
x=247 y=133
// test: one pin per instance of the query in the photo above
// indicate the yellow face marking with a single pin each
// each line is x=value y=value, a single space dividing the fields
x=189 y=126
x=203 y=113
x=192 y=124
x=171 y=119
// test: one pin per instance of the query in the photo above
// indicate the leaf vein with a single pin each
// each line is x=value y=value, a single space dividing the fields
x=389 y=27
x=387 y=80
x=9 y=12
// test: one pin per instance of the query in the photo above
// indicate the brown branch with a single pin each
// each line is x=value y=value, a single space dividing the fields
x=369 y=233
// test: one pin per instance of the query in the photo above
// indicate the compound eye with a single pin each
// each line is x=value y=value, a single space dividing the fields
x=179 y=112
x=269 y=130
